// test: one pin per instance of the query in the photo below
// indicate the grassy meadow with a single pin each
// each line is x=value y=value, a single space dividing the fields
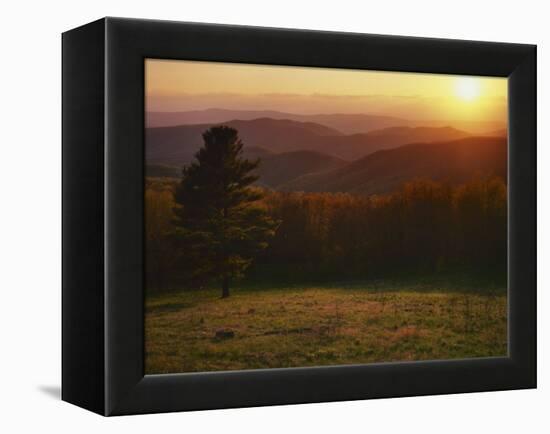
x=329 y=324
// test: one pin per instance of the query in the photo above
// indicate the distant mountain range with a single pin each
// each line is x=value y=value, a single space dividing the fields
x=383 y=171
x=274 y=169
x=313 y=157
x=356 y=146
x=178 y=145
x=278 y=169
x=346 y=123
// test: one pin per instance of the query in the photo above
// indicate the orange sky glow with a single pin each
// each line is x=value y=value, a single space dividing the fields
x=176 y=85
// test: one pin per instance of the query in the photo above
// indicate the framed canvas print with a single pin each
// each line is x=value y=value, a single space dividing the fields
x=257 y=216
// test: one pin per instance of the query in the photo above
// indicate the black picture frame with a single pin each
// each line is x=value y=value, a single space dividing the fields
x=103 y=200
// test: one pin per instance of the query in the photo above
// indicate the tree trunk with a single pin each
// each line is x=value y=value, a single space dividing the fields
x=225 y=287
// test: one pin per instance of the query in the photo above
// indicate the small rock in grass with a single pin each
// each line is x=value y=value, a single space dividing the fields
x=225 y=334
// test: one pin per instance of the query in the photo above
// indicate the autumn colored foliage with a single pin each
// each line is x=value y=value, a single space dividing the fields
x=425 y=226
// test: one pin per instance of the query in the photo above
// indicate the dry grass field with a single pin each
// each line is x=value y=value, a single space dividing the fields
x=293 y=326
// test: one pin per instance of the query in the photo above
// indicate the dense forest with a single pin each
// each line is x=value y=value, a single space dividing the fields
x=425 y=226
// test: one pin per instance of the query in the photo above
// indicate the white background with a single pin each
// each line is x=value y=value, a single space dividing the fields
x=30 y=170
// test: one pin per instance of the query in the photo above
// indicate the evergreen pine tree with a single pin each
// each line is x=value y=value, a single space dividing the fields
x=218 y=217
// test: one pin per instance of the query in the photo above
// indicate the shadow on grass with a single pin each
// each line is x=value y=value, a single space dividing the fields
x=458 y=283
x=445 y=283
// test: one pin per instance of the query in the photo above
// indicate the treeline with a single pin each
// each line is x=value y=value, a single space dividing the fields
x=425 y=226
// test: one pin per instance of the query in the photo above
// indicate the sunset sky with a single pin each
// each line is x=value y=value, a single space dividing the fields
x=188 y=85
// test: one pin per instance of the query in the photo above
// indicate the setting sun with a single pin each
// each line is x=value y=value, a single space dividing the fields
x=467 y=88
